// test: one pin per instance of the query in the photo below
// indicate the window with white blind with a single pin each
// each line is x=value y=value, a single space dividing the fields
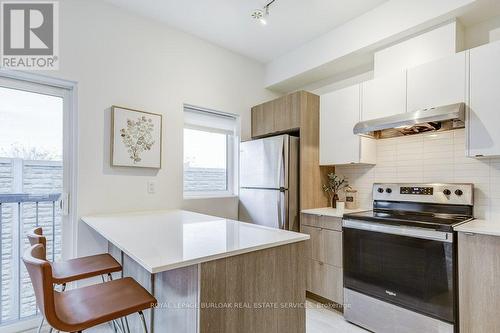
x=210 y=152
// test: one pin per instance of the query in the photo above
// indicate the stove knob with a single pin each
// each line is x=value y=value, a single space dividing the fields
x=459 y=192
x=447 y=192
x=388 y=190
x=380 y=190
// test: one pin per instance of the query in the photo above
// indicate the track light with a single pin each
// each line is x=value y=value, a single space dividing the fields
x=261 y=14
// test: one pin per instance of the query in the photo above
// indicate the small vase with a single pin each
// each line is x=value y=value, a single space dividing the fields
x=335 y=198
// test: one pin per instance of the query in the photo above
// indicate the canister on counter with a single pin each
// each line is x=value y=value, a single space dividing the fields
x=351 y=198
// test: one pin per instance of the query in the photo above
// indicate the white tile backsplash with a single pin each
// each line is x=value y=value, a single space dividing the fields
x=427 y=158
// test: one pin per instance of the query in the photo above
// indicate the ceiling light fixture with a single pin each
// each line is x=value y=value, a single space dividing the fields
x=261 y=14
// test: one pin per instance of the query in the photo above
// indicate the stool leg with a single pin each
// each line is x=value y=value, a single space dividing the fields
x=115 y=326
x=40 y=326
x=123 y=325
x=126 y=323
x=143 y=322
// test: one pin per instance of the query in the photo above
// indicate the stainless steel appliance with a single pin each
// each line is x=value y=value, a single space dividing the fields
x=269 y=182
x=432 y=119
x=400 y=259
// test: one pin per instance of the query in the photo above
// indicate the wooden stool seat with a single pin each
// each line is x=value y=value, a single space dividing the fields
x=84 y=267
x=79 y=309
x=72 y=270
x=87 y=307
x=79 y=268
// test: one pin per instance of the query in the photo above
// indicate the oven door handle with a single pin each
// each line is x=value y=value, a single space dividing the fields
x=422 y=233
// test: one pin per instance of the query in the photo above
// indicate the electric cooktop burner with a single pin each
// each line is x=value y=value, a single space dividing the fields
x=438 y=221
x=436 y=206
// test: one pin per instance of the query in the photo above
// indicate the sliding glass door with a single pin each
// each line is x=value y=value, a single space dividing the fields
x=34 y=185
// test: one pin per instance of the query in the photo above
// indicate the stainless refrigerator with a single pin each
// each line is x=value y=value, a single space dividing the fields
x=269 y=180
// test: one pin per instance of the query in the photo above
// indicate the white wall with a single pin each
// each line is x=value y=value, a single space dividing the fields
x=119 y=58
x=428 y=158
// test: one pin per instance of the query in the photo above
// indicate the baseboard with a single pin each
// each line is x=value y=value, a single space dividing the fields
x=325 y=301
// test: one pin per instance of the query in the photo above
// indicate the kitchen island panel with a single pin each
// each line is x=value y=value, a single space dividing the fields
x=262 y=291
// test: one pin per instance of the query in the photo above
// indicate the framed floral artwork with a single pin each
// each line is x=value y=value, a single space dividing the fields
x=136 y=138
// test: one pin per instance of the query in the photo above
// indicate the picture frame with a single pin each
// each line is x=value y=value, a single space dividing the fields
x=136 y=138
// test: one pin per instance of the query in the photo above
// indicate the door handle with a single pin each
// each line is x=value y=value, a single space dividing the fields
x=280 y=217
x=64 y=204
x=422 y=233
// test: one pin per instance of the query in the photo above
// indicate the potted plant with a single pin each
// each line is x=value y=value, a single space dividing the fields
x=335 y=184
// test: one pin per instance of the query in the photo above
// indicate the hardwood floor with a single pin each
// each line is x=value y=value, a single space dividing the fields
x=318 y=320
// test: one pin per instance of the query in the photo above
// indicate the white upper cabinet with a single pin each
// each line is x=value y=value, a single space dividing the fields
x=384 y=96
x=484 y=103
x=437 y=83
x=339 y=112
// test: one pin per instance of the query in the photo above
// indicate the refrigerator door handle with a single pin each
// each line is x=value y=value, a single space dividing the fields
x=280 y=215
x=281 y=164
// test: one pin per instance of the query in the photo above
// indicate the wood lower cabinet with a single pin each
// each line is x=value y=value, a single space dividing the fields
x=479 y=283
x=325 y=280
x=324 y=252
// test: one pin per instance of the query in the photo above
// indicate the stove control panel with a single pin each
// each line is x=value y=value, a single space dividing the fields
x=459 y=194
x=416 y=190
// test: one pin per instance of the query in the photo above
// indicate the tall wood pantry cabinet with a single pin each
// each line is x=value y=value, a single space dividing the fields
x=296 y=113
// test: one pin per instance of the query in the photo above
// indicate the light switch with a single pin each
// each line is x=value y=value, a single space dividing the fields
x=151 y=187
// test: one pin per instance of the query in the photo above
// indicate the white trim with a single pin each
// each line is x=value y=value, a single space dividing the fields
x=70 y=146
x=232 y=153
x=38 y=78
x=209 y=195
x=194 y=108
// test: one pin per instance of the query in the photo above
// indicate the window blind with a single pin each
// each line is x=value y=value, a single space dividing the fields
x=210 y=121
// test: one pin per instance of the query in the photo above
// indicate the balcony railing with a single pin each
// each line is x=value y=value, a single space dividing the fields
x=19 y=213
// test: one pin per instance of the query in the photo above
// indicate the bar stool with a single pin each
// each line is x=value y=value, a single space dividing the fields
x=75 y=269
x=83 y=308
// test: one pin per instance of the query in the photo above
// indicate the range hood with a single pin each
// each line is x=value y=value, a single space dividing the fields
x=432 y=119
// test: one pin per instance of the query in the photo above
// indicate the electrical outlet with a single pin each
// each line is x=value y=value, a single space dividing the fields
x=151 y=187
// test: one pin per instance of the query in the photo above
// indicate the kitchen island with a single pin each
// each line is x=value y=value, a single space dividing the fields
x=210 y=274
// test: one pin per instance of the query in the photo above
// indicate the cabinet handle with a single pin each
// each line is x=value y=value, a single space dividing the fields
x=480 y=155
x=469 y=233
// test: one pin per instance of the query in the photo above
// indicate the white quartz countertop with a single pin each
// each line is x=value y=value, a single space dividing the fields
x=165 y=240
x=327 y=211
x=480 y=227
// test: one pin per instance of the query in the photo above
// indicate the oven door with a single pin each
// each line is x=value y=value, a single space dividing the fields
x=406 y=266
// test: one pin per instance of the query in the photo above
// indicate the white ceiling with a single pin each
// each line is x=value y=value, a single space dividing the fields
x=228 y=22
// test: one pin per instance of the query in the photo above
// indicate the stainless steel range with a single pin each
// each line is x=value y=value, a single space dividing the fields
x=400 y=259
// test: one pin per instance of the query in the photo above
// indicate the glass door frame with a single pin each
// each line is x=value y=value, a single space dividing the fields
x=67 y=90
